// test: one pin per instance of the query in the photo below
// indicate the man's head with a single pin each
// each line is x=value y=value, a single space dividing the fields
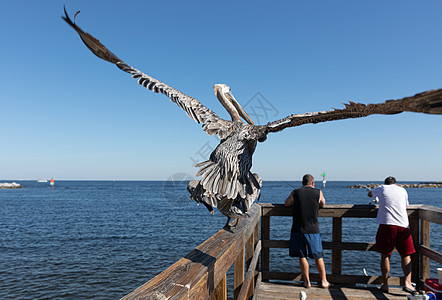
x=307 y=179
x=390 y=180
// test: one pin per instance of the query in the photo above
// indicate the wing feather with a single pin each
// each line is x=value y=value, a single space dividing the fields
x=429 y=102
x=193 y=108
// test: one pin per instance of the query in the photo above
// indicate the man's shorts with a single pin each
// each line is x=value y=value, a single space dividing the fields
x=390 y=236
x=306 y=245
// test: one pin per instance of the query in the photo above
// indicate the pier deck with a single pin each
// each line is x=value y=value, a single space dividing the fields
x=202 y=274
x=287 y=290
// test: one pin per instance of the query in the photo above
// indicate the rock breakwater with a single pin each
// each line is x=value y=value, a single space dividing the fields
x=404 y=185
x=12 y=185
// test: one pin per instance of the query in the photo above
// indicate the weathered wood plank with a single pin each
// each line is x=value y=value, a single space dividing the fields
x=257 y=277
x=415 y=262
x=430 y=253
x=238 y=274
x=425 y=241
x=336 y=253
x=265 y=254
x=333 y=278
x=248 y=280
x=220 y=292
x=283 y=290
x=356 y=246
x=197 y=274
x=257 y=285
x=249 y=256
x=431 y=214
x=250 y=250
x=336 y=210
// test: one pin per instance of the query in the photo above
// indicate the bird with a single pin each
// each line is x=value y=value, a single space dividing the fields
x=227 y=182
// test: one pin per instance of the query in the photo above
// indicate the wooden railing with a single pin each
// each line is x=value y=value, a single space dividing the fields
x=202 y=273
x=420 y=217
x=428 y=215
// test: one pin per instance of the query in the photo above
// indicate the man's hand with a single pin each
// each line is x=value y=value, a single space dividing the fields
x=289 y=201
x=321 y=199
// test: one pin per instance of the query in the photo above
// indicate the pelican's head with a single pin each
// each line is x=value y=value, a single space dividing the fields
x=225 y=96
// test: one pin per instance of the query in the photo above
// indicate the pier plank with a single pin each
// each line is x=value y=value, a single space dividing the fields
x=238 y=274
x=334 y=278
x=425 y=241
x=355 y=246
x=431 y=214
x=430 y=253
x=337 y=253
x=249 y=279
x=339 y=210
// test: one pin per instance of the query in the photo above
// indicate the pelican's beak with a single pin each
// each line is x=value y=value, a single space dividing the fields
x=238 y=107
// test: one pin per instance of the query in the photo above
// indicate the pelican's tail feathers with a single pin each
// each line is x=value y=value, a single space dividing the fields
x=203 y=163
x=209 y=178
x=223 y=186
x=205 y=169
x=242 y=191
x=217 y=181
x=235 y=186
x=197 y=193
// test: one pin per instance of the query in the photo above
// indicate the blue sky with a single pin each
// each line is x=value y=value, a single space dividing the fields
x=66 y=114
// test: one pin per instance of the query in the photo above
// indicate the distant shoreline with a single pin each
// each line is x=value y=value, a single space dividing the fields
x=437 y=184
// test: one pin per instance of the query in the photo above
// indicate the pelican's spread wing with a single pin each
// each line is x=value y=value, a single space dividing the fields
x=213 y=124
x=429 y=102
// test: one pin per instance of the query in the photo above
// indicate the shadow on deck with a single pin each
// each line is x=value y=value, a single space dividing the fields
x=288 y=290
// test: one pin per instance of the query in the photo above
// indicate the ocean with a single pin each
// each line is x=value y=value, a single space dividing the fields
x=103 y=239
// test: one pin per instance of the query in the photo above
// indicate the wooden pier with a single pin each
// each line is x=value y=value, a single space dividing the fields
x=202 y=273
x=284 y=291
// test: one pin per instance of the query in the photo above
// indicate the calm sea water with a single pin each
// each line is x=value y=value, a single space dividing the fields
x=101 y=240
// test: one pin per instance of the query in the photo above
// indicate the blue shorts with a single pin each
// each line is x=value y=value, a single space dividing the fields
x=306 y=245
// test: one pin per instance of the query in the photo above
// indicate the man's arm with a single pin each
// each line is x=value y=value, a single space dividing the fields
x=289 y=201
x=321 y=199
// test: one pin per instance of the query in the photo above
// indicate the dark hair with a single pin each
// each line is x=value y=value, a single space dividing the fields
x=307 y=179
x=390 y=180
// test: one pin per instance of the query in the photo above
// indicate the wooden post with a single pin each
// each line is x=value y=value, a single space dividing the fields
x=414 y=228
x=265 y=255
x=250 y=249
x=337 y=253
x=220 y=292
x=238 y=274
x=425 y=241
x=255 y=240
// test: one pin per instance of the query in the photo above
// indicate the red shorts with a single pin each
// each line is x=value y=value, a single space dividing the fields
x=390 y=236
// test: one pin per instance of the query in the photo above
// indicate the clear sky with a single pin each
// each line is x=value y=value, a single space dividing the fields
x=66 y=114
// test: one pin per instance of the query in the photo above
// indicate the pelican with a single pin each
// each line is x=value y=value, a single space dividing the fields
x=226 y=180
